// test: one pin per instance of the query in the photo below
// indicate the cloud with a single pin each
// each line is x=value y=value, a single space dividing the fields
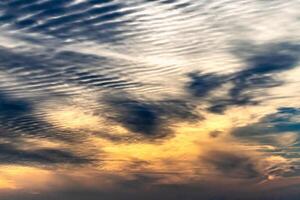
x=263 y=64
x=150 y=118
x=285 y=120
x=86 y=20
x=153 y=42
x=44 y=70
x=262 y=67
x=9 y=154
x=12 y=107
x=202 y=84
x=18 y=122
x=233 y=164
x=280 y=131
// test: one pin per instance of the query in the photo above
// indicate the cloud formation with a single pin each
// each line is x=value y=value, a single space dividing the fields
x=86 y=20
x=149 y=99
x=40 y=157
x=150 y=118
x=263 y=65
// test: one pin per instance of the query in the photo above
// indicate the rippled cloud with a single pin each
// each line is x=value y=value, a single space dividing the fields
x=65 y=19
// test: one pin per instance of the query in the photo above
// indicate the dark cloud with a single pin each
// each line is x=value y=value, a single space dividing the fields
x=150 y=118
x=270 y=58
x=141 y=118
x=233 y=164
x=9 y=154
x=10 y=107
x=263 y=65
x=220 y=105
x=261 y=72
x=202 y=84
x=285 y=120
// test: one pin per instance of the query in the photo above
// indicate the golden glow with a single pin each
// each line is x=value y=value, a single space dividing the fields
x=179 y=153
x=18 y=177
x=179 y=158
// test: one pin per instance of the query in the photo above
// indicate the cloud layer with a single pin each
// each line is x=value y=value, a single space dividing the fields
x=175 y=99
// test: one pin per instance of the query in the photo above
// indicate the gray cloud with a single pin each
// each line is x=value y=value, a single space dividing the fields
x=9 y=154
x=149 y=118
x=263 y=64
x=233 y=164
x=285 y=120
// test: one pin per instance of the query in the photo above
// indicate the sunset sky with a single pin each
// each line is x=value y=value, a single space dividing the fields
x=149 y=99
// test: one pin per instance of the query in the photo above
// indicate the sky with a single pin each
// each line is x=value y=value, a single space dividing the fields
x=149 y=99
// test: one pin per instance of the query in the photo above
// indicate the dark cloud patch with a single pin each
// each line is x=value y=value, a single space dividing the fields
x=270 y=58
x=10 y=107
x=232 y=164
x=141 y=118
x=220 y=105
x=13 y=113
x=150 y=118
x=263 y=66
x=202 y=84
x=9 y=154
x=285 y=120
